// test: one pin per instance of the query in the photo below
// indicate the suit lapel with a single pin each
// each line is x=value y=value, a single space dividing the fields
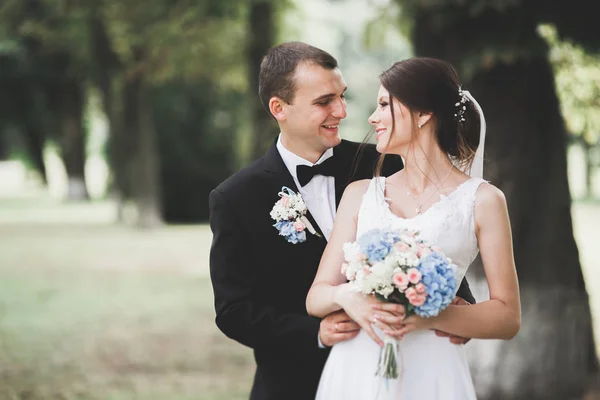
x=275 y=166
x=344 y=167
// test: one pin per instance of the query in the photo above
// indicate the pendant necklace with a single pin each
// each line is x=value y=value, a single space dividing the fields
x=418 y=209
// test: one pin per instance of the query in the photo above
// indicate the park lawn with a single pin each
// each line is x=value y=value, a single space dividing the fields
x=113 y=334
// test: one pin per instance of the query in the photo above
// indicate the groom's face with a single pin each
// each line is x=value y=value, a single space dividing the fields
x=319 y=105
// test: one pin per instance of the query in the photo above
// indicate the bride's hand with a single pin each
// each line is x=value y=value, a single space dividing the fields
x=389 y=315
x=410 y=324
x=360 y=308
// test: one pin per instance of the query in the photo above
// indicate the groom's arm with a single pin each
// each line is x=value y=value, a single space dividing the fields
x=239 y=312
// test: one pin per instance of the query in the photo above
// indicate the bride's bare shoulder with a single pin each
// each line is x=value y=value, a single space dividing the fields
x=354 y=191
x=489 y=199
x=357 y=188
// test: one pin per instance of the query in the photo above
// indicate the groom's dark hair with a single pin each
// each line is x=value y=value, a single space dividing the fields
x=276 y=77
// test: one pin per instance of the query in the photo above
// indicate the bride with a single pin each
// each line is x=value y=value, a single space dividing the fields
x=439 y=130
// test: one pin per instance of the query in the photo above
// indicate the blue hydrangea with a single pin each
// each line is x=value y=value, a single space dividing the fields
x=376 y=244
x=439 y=277
x=287 y=230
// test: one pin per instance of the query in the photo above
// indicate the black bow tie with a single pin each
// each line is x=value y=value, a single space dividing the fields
x=306 y=173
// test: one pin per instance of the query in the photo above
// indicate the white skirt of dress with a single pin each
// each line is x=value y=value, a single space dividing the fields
x=430 y=368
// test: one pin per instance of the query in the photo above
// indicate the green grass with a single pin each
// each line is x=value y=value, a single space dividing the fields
x=91 y=334
x=134 y=320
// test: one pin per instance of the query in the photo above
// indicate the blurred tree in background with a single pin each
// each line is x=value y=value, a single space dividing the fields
x=505 y=63
x=175 y=79
x=43 y=84
x=577 y=76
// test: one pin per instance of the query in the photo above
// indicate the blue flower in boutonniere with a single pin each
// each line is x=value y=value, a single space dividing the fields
x=289 y=214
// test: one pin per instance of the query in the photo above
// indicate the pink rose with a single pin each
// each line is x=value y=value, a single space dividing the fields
x=284 y=201
x=299 y=226
x=414 y=276
x=420 y=288
x=418 y=300
x=400 y=280
x=410 y=294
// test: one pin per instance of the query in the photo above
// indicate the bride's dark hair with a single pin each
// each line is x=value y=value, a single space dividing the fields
x=430 y=85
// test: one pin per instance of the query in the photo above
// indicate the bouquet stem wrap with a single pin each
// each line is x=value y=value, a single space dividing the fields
x=388 y=359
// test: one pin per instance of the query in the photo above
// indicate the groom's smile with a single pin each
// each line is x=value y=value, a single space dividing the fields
x=333 y=129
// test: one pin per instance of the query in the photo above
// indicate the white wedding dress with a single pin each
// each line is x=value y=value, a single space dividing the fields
x=431 y=368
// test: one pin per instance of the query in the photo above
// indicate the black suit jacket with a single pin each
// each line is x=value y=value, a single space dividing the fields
x=260 y=281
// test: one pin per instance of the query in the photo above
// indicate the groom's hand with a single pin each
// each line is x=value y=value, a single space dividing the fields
x=455 y=339
x=337 y=327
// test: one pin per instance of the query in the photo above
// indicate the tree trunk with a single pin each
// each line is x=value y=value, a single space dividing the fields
x=261 y=38
x=142 y=168
x=72 y=142
x=108 y=76
x=4 y=149
x=553 y=356
x=34 y=141
x=146 y=187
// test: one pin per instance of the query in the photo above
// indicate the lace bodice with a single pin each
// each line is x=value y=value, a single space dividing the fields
x=449 y=223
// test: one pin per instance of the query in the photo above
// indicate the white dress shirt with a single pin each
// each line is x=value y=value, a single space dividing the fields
x=319 y=193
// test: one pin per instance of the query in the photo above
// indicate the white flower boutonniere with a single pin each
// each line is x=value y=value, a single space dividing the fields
x=289 y=214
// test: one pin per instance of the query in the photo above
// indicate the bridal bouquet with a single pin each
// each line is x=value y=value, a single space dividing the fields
x=399 y=267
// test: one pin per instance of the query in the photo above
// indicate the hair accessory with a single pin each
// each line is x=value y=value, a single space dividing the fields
x=460 y=105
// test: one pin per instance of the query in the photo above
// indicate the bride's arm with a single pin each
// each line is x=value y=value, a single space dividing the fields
x=500 y=316
x=323 y=295
x=329 y=291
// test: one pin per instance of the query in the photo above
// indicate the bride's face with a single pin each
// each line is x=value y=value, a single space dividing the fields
x=392 y=135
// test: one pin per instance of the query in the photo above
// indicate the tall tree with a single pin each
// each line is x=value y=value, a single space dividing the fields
x=261 y=36
x=50 y=31
x=23 y=104
x=504 y=63
x=165 y=43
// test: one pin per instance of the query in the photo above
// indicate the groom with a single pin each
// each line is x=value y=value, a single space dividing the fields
x=261 y=280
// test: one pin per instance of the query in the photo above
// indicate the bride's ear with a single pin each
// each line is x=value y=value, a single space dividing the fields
x=277 y=109
x=423 y=118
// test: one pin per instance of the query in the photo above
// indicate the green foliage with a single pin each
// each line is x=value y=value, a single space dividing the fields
x=175 y=39
x=486 y=32
x=577 y=76
x=191 y=57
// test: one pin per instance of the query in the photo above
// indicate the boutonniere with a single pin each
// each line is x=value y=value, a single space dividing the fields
x=289 y=214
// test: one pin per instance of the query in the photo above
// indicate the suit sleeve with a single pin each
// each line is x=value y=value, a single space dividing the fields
x=239 y=312
x=465 y=292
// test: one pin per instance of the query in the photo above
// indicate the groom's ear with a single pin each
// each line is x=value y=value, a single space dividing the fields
x=277 y=109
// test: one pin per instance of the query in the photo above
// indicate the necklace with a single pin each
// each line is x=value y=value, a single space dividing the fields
x=418 y=209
